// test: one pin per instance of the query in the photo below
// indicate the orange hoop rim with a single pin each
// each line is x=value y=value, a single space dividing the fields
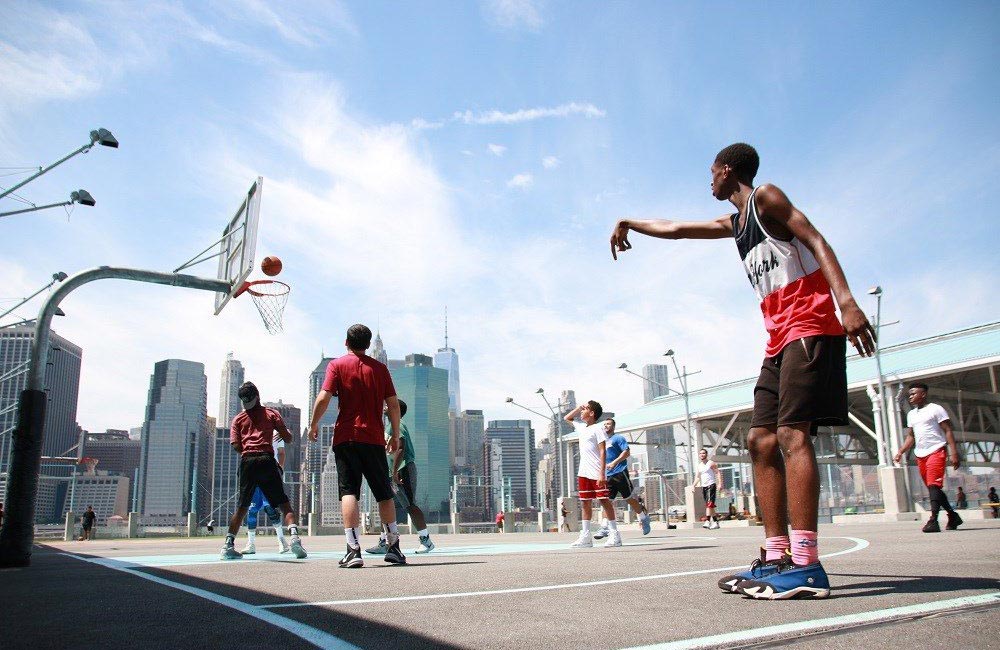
x=248 y=287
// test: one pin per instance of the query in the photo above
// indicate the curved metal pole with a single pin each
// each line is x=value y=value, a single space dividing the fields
x=17 y=533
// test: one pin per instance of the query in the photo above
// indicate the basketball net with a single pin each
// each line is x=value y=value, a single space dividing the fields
x=270 y=298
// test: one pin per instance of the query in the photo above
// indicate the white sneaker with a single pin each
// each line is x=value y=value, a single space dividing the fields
x=584 y=541
x=715 y=525
x=614 y=539
x=283 y=546
x=707 y=524
x=250 y=549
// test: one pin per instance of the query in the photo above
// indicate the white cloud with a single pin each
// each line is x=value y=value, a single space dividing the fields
x=529 y=114
x=420 y=124
x=496 y=149
x=466 y=152
x=521 y=181
x=550 y=162
x=308 y=23
x=514 y=14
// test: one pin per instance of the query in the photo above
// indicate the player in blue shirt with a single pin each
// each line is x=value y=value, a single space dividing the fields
x=619 y=482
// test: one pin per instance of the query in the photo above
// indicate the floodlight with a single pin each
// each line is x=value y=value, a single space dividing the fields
x=875 y=291
x=623 y=366
x=82 y=197
x=103 y=137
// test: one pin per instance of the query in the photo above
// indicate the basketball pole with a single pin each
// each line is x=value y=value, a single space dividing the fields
x=18 y=530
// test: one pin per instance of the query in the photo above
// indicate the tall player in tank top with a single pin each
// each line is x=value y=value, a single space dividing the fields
x=803 y=379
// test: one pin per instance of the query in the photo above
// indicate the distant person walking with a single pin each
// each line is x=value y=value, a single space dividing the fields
x=211 y=526
x=961 y=501
x=709 y=477
x=363 y=387
x=619 y=482
x=499 y=522
x=994 y=502
x=929 y=434
x=88 y=523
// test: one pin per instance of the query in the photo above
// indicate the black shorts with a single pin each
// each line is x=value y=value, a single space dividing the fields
x=356 y=460
x=406 y=489
x=261 y=471
x=805 y=382
x=619 y=486
x=708 y=494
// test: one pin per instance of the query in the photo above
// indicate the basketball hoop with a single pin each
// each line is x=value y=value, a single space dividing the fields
x=270 y=297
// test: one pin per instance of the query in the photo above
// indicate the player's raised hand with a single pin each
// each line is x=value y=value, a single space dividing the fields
x=860 y=332
x=619 y=238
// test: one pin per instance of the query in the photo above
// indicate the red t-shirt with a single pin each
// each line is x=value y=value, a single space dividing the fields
x=361 y=385
x=254 y=430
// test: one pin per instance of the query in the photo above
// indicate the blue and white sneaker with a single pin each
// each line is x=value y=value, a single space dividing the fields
x=789 y=581
x=426 y=545
x=759 y=568
x=644 y=524
x=603 y=532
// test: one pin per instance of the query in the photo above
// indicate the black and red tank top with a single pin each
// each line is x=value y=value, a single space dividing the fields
x=794 y=295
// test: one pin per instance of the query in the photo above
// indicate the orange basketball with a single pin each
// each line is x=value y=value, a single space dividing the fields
x=271 y=265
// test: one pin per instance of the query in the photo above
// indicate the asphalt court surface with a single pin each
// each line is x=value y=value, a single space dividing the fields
x=891 y=584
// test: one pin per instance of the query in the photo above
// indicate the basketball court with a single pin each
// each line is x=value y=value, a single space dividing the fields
x=892 y=585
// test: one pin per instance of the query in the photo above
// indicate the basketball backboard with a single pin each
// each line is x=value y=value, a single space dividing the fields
x=238 y=244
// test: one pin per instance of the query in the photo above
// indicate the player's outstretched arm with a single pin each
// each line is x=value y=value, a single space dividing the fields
x=664 y=229
x=774 y=206
x=319 y=408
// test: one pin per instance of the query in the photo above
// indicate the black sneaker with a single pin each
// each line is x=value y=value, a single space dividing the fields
x=954 y=521
x=352 y=559
x=393 y=555
x=932 y=526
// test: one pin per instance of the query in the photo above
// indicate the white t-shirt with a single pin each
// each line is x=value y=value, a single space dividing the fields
x=591 y=459
x=707 y=471
x=277 y=443
x=927 y=431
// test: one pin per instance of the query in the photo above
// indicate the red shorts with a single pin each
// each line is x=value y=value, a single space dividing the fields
x=589 y=490
x=932 y=468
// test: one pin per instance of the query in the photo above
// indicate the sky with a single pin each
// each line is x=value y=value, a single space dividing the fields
x=475 y=156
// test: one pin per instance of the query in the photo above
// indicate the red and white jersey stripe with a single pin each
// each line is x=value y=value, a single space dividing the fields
x=795 y=297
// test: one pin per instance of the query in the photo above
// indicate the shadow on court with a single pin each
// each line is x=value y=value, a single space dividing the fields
x=881 y=585
x=61 y=602
x=681 y=548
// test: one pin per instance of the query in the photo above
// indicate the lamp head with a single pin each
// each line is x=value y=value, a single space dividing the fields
x=668 y=353
x=59 y=276
x=623 y=366
x=540 y=391
x=104 y=138
x=875 y=291
x=82 y=197
x=510 y=400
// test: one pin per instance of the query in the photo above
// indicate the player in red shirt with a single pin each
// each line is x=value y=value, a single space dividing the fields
x=251 y=435
x=362 y=385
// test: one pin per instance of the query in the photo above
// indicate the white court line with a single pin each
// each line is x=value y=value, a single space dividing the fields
x=859 y=544
x=318 y=638
x=835 y=622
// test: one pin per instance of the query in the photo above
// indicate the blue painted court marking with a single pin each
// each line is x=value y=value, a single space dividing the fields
x=859 y=544
x=156 y=561
x=318 y=638
x=819 y=625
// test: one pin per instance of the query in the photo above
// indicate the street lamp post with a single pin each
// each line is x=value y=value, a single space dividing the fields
x=561 y=453
x=883 y=420
x=82 y=197
x=510 y=400
x=102 y=137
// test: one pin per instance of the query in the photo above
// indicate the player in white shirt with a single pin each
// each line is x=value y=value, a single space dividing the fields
x=709 y=477
x=592 y=479
x=929 y=434
x=260 y=503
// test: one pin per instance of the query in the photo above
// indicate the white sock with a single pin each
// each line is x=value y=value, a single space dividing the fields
x=613 y=525
x=280 y=532
x=422 y=532
x=293 y=530
x=393 y=528
x=586 y=526
x=352 y=537
x=252 y=536
x=604 y=522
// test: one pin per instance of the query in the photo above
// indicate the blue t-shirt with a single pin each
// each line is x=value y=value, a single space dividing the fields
x=616 y=445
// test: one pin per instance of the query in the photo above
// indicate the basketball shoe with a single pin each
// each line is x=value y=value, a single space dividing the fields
x=789 y=581
x=759 y=568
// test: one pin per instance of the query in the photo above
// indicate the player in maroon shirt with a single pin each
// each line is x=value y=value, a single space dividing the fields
x=251 y=435
x=362 y=385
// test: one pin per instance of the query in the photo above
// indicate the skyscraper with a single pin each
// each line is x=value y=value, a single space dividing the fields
x=663 y=455
x=115 y=452
x=424 y=388
x=467 y=437
x=516 y=440
x=229 y=399
x=292 y=416
x=225 y=481
x=378 y=350
x=447 y=359
x=174 y=470
x=62 y=385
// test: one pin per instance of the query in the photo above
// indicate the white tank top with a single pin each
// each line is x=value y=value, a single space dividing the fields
x=707 y=473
